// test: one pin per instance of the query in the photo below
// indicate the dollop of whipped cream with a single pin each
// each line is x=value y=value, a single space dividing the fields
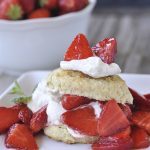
x=92 y=66
x=42 y=96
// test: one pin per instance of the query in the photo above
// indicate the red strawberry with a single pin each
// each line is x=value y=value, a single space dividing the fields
x=19 y=106
x=82 y=119
x=20 y=137
x=112 y=143
x=147 y=96
x=39 y=13
x=140 y=138
x=67 y=6
x=112 y=119
x=106 y=50
x=38 y=120
x=11 y=10
x=79 y=49
x=72 y=101
x=123 y=134
x=25 y=115
x=49 y=4
x=140 y=102
x=8 y=116
x=142 y=119
x=127 y=111
x=28 y=5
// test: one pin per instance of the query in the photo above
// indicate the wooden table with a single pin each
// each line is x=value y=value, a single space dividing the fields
x=132 y=30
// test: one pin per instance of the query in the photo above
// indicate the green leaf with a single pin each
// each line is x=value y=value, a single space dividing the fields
x=17 y=89
x=22 y=100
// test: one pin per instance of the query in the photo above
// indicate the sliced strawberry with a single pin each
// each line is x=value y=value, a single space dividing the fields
x=82 y=119
x=38 y=120
x=140 y=138
x=106 y=50
x=19 y=106
x=147 y=96
x=112 y=143
x=11 y=10
x=79 y=49
x=142 y=120
x=140 y=102
x=8 y=116
x=28 y=5
x=112 y=119
x=127 y=111
x=49 y=4
x=20 y=137
x=123 y=134
x=39 y=13
x=72 y=101
x=25 y=115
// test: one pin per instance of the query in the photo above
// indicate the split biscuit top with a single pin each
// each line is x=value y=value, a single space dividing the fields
x=77 y=83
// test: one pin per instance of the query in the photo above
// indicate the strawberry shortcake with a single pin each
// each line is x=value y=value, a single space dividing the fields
x=85 y=98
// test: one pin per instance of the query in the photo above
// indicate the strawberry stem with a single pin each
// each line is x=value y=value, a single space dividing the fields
x=15 y=12
x=43 y=2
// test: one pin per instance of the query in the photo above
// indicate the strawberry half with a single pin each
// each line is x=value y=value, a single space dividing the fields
x=11 y=10
x=127 y=111
x=82 y=119
x=106 y=50
x=79 y=49
x=147 y=96
x=72 y=101
x=25 y=115
x=38 y=120
x=20 y=137
x=112 y=143
x=112 y=119
x=123 y=134
x=140 y=138
x=8 y=116
x=142 y=120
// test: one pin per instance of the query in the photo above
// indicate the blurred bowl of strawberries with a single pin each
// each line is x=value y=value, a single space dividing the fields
x=34 y=34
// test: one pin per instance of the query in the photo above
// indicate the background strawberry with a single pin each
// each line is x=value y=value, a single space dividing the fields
x=11 y=10
x=28 y=5
x=50 y=4
x=67 y=6
x=39 y=13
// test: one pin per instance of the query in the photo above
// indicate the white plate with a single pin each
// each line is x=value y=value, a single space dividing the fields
x=29 y=80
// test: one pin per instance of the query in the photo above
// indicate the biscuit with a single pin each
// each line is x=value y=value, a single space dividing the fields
x=60 y=133
x=77 y=83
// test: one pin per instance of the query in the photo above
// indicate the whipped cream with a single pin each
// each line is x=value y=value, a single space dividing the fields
x=92 y=66
x=42 y=96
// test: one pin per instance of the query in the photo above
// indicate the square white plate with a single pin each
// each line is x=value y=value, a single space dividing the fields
x=28 y=81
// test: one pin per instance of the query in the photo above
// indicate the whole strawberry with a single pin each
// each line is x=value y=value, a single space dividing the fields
x=28 y=5
x=11 y=10
x=67 y=6
x=49 y=4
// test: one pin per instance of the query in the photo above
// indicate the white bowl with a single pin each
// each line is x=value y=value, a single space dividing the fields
x=40 y=43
